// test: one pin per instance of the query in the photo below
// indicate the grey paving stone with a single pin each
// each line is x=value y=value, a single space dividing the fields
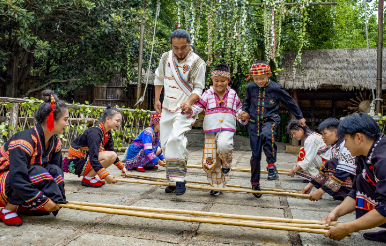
x=108 y=240
x=33 y=235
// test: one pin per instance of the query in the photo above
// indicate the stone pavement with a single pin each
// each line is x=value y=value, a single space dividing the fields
x=72 y=227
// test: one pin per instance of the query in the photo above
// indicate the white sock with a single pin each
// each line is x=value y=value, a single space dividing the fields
x=93 y=180
x=9 y=216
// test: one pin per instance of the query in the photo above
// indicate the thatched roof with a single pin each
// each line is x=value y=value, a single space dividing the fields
x=339 y=67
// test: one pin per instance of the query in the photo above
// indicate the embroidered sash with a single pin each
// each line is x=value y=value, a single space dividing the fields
x=185 y=85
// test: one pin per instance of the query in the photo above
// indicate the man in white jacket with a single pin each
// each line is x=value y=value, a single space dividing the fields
x=181 y=73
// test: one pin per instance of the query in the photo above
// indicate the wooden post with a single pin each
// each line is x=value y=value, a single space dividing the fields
x=14 y=118
x=295 y=96
x=379 y=56
x=140 y=60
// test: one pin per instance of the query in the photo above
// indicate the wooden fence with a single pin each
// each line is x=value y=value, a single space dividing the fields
x=18 y=114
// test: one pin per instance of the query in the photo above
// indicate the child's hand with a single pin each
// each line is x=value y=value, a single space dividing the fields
x=125 y=172
x=186 y=107
x=110 y=179
x=302 y=122
x=50 y=206
x=161 y=163
x=243 y=116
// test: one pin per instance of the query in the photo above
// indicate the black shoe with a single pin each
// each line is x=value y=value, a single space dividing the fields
x=256 y=187
x=170 y=189
x=214 y=193
x=180 y=188
x=272 y=173
x=226 y=171
x=379 y=236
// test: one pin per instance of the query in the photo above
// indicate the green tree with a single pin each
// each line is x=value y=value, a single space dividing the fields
x=80 y=41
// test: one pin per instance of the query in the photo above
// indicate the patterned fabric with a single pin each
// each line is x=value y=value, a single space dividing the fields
x=22 y=144
x=40 y=177
x=225 y=74
x=305 y=175
x=83 y=154
x=142 y=152
x=27 y=149
x=209 y=158
x=259 y=69
x=180 y=79
x=59 y=179
x=102 y=173
x=119 y=165
x=220 y=114
x=371 y=170
x=364 y=202
x=312 y=162
x=336 y=176
x=3 y=195
x=154 y=119
x=218 y=153
x=176 y=169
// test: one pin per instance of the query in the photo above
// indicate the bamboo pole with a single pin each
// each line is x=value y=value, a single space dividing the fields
x=237 y=169
x=190 y=219
x=203 y=182
x=297 y=222
x=202 y=187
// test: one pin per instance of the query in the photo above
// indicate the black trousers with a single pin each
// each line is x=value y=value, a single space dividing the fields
x=266 y=142
x=52 y=188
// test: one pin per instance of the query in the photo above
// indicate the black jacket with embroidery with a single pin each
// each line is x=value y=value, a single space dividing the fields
x=274 y=94
x=369 y=186
x=28 y=148
x=94 y=138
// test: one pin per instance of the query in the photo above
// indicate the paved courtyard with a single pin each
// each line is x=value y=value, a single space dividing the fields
x=72 y=227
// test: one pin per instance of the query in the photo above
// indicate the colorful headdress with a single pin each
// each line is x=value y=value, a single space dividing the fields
x=154 y=119
x=50 y=118
x=221 y=73
x=259 y=69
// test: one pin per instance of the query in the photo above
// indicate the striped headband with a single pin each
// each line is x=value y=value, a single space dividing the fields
x=154 y=119
x=259 y=69
x=221 y=73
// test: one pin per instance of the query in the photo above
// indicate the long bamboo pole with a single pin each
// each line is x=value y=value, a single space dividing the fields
x=189 y=219
x=202 y=182
x=297 y=222
x=237 y=169
x=202 y=187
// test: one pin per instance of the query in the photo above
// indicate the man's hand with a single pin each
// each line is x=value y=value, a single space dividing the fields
x=302 y=122
x=158 y=107
x=307 y=189
x=338 y=232
x=50 y=206
x=329 y=218
x=161 y=163
x=110 y=179
x=243 y=116
x=316 y=195
x=186 y=107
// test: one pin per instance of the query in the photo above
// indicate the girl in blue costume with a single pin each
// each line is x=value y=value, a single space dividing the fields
x=145 y=151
